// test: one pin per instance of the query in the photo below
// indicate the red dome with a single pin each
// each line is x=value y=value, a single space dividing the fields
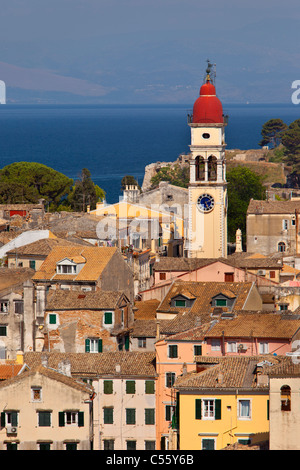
x=208 y=108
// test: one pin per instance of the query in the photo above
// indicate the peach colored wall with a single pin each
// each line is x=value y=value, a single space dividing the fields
x=165 y=364
x=213 y=272
x=280 y=347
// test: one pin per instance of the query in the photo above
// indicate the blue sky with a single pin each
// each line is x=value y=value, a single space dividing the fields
x=149 y=51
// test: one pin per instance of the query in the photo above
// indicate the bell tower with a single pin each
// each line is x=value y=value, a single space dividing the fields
x=207 y=226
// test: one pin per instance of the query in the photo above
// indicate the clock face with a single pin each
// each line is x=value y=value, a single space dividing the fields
x=205 y=203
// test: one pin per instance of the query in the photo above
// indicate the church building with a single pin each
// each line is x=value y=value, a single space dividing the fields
x=207 y=218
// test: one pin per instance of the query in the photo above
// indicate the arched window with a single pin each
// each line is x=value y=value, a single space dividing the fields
x=212 y=168
x=199 y=168
x=281 y=247
x=285 y=396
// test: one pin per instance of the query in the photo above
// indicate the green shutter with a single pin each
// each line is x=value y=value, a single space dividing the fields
x=14 y=418
x=218 y=409
x=45 y=446
x=130 y=415
x=175 y=417
x=198 y=408
x=87 y=345
x=173 y=351
x=44 y=418
x=80 y=418
x=149 y=416
x=108 y=387
x=32 y=264
x=52 y=319
x=268 y=409
x=108 y=318
x=149 y=386
x=100 y=345
x=61 y=418
x=108 y=415
x=2 y=420
x=126 y=343
x=130 y=386
x=198 y=350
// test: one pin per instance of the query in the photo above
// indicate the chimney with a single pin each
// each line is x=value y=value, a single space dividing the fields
x=44 y=360
x=220 y=378
x=118 y=368
x=64 y=367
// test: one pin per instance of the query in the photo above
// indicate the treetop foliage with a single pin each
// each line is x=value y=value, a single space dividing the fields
x=28 y=182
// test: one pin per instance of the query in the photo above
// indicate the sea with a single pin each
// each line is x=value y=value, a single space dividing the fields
x=112 y=141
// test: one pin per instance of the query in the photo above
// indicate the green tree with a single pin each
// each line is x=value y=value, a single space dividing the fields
x=176 y=175
x=129 y=180
x=291 y=143
x=272 y=132
x=243 y=185
x=85 y=192
x=27 y=182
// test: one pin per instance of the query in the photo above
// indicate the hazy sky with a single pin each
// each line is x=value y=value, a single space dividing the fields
x=149 y=51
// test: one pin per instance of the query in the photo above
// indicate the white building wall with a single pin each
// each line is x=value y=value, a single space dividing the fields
x=119 y=431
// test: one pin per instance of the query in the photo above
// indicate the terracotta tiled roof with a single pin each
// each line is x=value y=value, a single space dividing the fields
x=52 y=374
x=143 y=328
x=254 y=261
x=195 y=334
x=9 y=369
x=97 y=259
x=183 y=322
x=13 y=277
x=145 y=309
x=40 y=247
x=290 y=367
x=273 y=207
x=204 y=292
x=101 y=364
x=256 y=325
x=181 y=264
x=75 y=300
x=228 y=373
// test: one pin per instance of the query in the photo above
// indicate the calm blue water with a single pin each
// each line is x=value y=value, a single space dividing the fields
x=113 y=141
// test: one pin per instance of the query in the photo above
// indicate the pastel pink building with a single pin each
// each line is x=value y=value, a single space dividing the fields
x=242 y=333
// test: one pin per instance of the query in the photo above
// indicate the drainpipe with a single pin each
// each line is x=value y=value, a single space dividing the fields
x=223 y=343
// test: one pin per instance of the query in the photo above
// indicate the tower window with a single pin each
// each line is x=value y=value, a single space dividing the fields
x=206 y=135
x=200 y=168
x=212 y=168
x=281 y=247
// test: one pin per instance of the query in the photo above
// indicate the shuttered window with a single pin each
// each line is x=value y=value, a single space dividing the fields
x=108 y=415
x=198 y=410
x=149 y=386
x=149 y=416
x=130 y=386
x=108 y=318
x=108 y=387
x=44 y=418
x=130 y=415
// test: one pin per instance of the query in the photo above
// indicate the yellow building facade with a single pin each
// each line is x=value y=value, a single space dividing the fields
x=213 y=421
x=226 y=403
